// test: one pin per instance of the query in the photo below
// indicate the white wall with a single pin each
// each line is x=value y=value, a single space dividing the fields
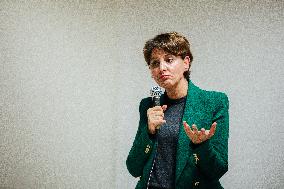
x=72 y=75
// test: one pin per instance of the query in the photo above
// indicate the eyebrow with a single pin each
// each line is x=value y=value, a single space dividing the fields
x=171 y=55
x=153 y=60
x=166 y=55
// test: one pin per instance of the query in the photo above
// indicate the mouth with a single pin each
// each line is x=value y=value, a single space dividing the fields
x=164 y=77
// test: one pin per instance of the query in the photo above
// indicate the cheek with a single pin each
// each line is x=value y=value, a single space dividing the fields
x=182 y=69
x=153 y=73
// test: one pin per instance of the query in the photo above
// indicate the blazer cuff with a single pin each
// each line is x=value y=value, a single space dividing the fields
x=203 y=149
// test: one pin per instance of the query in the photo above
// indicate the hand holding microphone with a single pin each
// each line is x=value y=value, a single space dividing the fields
x=156 y=114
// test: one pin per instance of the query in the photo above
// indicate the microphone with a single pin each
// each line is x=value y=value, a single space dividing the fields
x=156 y=93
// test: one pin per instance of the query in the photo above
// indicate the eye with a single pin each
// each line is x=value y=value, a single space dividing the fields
x=154 y=64
x=170 y=60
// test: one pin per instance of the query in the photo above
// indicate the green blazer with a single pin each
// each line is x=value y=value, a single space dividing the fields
x=197 y=166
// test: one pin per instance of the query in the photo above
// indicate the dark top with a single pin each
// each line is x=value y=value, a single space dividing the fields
x=200 y=166
x=163 y=174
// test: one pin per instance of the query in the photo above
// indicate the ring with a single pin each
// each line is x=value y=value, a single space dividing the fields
x=195 y=138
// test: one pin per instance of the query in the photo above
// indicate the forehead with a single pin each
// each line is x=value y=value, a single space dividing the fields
x=158 y=53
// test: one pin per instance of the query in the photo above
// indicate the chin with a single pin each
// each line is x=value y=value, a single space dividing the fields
x=165 y=85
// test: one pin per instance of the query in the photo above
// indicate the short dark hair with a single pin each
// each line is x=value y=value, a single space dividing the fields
x=173 y=43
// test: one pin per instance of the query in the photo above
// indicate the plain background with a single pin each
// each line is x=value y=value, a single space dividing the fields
x=72 y=75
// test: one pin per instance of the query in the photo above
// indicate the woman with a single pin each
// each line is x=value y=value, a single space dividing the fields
x=184 y=142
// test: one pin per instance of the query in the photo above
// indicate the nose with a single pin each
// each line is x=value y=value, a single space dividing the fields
x=163 y=65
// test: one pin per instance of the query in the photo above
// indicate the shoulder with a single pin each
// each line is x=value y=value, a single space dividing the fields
x=145 y=104
x=213 y=99
x=214 y=96
x=146 y=101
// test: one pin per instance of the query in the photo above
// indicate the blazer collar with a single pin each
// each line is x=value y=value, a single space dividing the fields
x=183 y=149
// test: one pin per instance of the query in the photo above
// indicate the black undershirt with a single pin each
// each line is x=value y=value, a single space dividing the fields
x=163 y=174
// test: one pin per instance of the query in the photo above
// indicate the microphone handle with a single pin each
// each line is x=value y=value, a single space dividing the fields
x=156 y=101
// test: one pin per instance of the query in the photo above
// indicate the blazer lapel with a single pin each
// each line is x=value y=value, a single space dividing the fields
x=183 y=149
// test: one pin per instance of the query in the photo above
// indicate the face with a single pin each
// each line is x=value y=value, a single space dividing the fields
x=167 y=69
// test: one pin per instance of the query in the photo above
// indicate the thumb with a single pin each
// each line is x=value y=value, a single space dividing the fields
x=164 y=107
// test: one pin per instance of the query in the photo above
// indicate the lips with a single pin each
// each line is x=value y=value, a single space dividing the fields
x=164 y=77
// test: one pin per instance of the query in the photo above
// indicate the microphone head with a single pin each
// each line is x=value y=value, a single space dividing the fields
x=156 y=91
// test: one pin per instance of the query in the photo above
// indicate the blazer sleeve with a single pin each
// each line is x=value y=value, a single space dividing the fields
x=212 y=155
x=142 y=145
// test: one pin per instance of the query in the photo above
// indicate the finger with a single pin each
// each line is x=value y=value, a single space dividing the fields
x=202 y=135
x=202 y=130
x=195 y=138
x=153 y=110
x=159 y=123
x=159 y=117
x=185 y=124
x=197 y=134
x=187 y=127
x=160 y=120
x=164 y=107
x=158 y=113
x=212 y=130
x=188 y=130
x=157 y=108
x=150 y=112
x=151 y=129
x=156 y=116
x=194 y=129
x=153 y=114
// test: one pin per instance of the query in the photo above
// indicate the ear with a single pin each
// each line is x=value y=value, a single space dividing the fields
x=186 y=62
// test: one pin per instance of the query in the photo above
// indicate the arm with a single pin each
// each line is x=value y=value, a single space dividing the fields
x=212 y=155
x=142 y=145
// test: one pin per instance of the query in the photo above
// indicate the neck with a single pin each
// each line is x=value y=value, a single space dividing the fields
x=178 y=91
